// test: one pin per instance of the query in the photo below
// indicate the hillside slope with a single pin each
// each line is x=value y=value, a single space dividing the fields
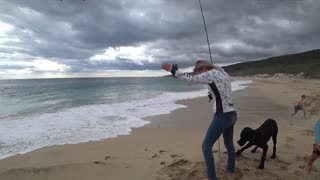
x=307 y=62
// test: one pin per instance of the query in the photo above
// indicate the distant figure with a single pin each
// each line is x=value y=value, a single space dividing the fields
x=316 y=147
x=300 y=106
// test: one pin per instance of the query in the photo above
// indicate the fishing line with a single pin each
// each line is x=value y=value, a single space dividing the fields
x=205 y=29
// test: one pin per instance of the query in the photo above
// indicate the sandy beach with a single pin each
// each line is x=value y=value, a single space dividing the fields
x=170 y=146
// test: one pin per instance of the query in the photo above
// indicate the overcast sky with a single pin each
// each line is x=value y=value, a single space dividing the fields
x=70 y=38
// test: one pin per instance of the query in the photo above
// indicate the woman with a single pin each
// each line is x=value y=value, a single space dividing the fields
x=225 y=114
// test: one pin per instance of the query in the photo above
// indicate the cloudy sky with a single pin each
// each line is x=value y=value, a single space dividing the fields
x=76 y=38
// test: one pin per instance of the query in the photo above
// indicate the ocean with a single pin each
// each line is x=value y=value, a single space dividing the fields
x=36 y=113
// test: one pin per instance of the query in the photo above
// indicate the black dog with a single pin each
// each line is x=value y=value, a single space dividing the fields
x=260 y=137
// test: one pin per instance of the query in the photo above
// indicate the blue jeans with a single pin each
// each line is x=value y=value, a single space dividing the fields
x=222 y=123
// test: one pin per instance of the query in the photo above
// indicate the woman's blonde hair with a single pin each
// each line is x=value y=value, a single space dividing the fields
x=203 y=64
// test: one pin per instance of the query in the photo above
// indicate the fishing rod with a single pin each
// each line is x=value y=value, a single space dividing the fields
x=205 y=29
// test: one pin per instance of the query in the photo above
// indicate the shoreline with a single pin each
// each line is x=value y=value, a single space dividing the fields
x=136 y=121
x=171 y=144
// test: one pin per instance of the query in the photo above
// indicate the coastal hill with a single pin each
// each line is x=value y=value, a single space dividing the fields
x=306 y=62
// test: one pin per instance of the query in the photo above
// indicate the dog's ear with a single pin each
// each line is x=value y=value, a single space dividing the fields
x=244 y=136
x=247 y=134
x=247 y=131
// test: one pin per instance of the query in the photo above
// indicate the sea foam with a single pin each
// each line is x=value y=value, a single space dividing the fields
x=87 y=123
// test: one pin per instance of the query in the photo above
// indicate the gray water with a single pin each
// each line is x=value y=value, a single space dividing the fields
x=37 y=113
x=25 y=97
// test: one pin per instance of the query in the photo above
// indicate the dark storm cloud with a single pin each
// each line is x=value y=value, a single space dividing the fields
x=71 y=32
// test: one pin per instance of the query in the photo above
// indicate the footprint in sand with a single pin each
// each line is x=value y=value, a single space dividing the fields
x=256 y=160
x=298 y=173
x=109 y=157
x=154 y=156
x=307 y=132
x=288 y=146
x=288 y=143
x=105 y=158
x=161 y=152
x=284 y=168
x=279 y=161
x=175 y=155
x=289 y=139
x=99 y=162
x=183 y=169
x=179 y=162
x=280 y=164
x=302 y=158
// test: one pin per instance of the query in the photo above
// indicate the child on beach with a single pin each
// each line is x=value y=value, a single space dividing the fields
x=316 y=147
x=225 y=116
x=300 y=106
